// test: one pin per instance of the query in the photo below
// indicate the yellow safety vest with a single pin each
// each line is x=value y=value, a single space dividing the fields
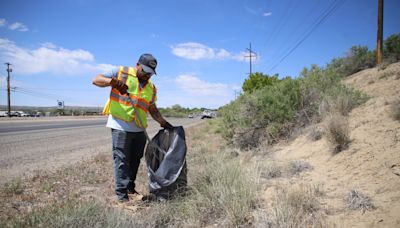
x=123 y=107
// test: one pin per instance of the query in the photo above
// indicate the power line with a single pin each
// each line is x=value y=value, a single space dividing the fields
x=278 y=24
x=325 y=15
x=33 y=94
x=290 y=39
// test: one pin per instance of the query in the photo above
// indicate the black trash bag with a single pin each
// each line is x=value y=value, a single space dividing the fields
x=166 y=169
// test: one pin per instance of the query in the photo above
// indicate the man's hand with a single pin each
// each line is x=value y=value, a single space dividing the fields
x=166 y=125
x=119 y=85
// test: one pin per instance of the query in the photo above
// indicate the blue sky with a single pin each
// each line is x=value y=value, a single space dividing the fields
x=57 y=47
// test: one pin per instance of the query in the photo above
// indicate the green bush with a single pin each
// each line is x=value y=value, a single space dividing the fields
x=358 y=58
x=262 y=113
x=391 y=48
x=272 y=112
x=178 y=111
x=257 y=81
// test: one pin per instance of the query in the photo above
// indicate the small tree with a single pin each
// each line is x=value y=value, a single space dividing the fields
x=258 y=81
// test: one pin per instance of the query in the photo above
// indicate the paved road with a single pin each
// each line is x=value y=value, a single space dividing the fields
x=27 y=146
x=17 y=127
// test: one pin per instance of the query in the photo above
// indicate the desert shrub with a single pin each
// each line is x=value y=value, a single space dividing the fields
x=316 y=134
x=271 y=113
x=340 y=99
x=293 y=207
x=315 y=83
x=322 y=92
x=358 y=58
x=258 y=81
x=298 y=166
x=224 y=191
x=271 y=170
x=358 y=201
x=337 y=132
x=395 y=110
x=391 y=48
x=262 y=114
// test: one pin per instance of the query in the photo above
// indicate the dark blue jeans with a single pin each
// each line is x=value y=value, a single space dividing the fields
x=127 y=149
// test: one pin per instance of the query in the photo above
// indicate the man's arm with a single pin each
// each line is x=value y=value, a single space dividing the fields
x=101 y=81
x=155 y=113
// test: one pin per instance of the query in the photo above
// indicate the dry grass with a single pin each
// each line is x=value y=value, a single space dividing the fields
x=342 y=104
x=222 y=190
x=358 y=201
x=337 y=132
x=298 y=166
x=14 y=187
x=293 y=207
x=25 y=196
x=271 y=170
x=316 y=133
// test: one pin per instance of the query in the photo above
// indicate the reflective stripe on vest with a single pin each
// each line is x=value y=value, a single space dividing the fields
x=131 y=100
x=139 y=100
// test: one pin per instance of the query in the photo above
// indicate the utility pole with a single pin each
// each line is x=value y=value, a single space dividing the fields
x=379 y=40
x=250 y=55
x=9 y=70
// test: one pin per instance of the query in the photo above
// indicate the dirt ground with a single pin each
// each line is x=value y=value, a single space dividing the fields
x=370 y=165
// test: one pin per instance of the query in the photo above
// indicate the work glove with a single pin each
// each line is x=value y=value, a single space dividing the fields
x=166 y=125
x=119 y=85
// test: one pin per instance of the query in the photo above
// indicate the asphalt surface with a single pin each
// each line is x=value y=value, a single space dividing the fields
x=13 y=127
x=31 y=145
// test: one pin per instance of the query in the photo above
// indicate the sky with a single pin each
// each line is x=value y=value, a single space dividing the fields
x=57 y=47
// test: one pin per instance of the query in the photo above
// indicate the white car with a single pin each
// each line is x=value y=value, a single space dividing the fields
x=207 y=114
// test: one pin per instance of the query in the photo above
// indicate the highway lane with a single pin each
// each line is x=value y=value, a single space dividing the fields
x=13 y=127
x=28 y=146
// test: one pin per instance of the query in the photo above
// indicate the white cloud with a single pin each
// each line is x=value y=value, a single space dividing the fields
x=197 y=51
x=195 y=86
x=266 y=14
x=18 y=26
x=2 y=22
x=50 y=58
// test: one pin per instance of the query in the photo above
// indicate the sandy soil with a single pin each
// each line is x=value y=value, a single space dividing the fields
x=370 y=165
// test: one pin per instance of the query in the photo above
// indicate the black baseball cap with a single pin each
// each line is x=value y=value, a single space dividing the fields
x=148 y=63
